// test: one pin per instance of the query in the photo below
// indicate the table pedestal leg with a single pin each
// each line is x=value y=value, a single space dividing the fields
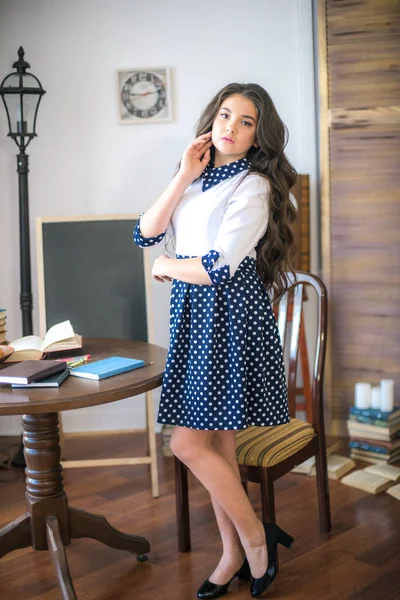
x=49 y=524
x=16 y=534
x=58 y=554
x=84 y=524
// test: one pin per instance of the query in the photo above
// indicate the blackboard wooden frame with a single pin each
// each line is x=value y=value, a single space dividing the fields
x=64 y=251
x=68 y=266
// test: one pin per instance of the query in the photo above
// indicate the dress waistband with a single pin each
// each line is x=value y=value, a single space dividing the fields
x=198 y=256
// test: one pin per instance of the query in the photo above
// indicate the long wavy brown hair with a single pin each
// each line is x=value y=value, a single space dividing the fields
x=276 y=250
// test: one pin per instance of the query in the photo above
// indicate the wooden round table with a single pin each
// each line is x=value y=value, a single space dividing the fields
x=49 y=523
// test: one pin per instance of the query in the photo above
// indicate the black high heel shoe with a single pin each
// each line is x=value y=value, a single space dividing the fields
x=274 y=535
x=210 y=590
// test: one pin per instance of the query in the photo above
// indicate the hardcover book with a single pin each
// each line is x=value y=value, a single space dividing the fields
x=389 y=446
x=375 y=422
x=53 y=381
x=30 y=370
x=372 y=432
x=374 y=413
x=368 y=446
x=107 y=367
x=373 y=457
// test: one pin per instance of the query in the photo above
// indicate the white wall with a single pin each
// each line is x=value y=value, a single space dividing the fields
x=84 y=162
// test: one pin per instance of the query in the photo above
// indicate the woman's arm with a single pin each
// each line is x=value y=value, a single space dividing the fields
x=194 y=160
x=157 y=218
x=190 y=270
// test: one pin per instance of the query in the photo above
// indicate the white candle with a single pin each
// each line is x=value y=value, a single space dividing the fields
x=387 y=395
x=362 y=395
x=376 y=398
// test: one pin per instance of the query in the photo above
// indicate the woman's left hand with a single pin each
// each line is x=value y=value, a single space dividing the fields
x=159 y=269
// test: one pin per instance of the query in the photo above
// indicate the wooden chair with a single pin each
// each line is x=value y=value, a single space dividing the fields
x=267 y=453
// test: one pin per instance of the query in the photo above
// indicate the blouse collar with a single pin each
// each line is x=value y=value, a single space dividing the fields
x=212 y=176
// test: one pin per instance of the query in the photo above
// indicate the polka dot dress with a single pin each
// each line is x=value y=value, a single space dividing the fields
x=224 y=366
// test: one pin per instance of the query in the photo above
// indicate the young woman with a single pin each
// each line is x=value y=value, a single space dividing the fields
x=227 y=216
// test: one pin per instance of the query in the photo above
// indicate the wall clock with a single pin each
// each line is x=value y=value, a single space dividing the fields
x=144 y=95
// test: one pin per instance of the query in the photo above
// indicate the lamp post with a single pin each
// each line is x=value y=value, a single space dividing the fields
x=21 y=93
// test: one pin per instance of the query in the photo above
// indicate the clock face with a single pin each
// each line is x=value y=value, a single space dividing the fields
x=144 y=94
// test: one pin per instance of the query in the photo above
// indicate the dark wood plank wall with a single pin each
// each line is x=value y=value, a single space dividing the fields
x=363 y=261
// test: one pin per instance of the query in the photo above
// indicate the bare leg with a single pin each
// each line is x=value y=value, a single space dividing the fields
x=195 y=449
x=232 y=558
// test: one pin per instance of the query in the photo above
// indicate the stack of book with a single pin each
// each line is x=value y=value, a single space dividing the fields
x=3 y=330
x=33 y=373
x=374 y=435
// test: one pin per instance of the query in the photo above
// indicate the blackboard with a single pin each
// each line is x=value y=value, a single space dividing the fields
x=91 y=272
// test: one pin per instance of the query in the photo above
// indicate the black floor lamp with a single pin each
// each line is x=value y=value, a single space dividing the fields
x=21 y=93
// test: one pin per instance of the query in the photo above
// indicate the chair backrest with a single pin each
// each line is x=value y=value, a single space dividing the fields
x=291 y=308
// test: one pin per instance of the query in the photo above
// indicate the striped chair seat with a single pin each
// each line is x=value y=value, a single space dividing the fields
x=267 y=446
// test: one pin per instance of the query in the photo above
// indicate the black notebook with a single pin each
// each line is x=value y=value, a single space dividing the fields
x=54 y=381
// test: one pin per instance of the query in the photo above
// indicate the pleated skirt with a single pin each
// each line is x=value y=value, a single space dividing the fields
x=224 y=366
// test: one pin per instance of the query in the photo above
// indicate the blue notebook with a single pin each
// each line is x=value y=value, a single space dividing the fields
x=107 y=367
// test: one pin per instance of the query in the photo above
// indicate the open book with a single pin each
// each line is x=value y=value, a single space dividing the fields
x=337 y=466
x=394 y=491
x=367 y=481
x=308 y=466
x=58 y=338
x=387 y=471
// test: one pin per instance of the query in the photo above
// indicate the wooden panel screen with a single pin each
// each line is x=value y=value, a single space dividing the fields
x=361 y=258
x=301 y=191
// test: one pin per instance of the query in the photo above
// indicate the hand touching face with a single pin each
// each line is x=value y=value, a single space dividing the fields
x=196 y=157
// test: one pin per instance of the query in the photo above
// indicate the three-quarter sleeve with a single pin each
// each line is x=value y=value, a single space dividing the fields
x=244 y=223
x=167 y=236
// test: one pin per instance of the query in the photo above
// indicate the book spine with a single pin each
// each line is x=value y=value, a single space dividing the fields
x=368 y=420
x=368 y=433
x=362 y=455
x=388 y=445
x=370 y=447
x=372 y=413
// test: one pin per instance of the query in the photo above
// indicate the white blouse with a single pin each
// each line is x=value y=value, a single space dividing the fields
x=222 y=225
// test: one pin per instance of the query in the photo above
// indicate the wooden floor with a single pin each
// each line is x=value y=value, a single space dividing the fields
x=358 y=560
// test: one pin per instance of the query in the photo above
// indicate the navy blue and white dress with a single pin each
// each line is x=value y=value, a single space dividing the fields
x=224 y=366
